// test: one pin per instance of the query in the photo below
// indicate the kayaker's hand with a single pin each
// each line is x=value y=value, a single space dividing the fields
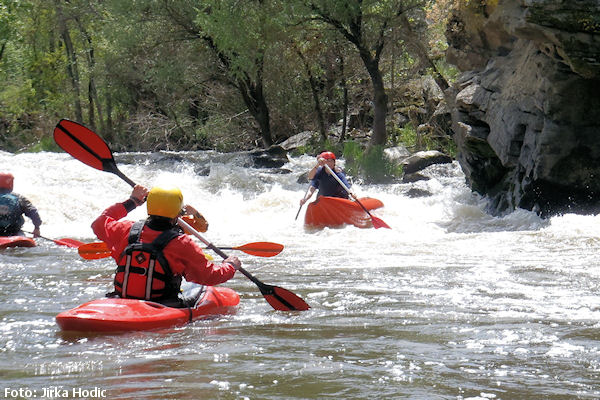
x=139 y=194
x=302 y=201
x=233 y=260
x=36 y=231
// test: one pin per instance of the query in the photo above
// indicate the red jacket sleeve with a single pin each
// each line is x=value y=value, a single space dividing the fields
x=111 y=231
x=187 y=259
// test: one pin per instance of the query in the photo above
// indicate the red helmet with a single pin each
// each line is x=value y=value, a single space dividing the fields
x=6 y=180
x=327 y=155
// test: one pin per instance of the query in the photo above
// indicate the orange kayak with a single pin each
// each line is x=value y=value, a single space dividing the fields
x=119 y=315
x=335 y=212
x=16 y=241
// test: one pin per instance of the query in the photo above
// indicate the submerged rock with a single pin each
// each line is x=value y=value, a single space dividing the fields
x=273 y=157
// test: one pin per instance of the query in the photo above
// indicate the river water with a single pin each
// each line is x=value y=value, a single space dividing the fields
x=450 y=304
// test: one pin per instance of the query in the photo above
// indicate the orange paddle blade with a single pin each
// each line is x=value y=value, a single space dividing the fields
x=94 y=251
x=260 y=249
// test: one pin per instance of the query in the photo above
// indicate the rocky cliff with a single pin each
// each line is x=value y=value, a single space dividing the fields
x=526 y=116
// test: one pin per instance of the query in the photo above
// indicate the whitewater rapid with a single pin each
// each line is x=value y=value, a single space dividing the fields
x=450 y=303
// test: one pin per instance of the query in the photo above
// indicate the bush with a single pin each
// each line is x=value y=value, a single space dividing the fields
x=370 y=164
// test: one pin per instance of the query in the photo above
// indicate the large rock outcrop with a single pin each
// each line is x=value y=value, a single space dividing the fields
x=526 y=116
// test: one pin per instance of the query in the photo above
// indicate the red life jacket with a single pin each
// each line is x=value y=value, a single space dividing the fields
x=146 y=274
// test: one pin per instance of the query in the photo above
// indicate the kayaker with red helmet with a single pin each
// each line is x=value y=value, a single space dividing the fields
x=12 y=208
x=323 y=181
x=153 y=255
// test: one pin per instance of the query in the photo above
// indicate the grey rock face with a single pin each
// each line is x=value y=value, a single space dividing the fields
x=527 y=111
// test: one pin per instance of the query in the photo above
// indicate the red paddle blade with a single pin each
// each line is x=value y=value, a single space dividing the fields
x=283 y=300
x=94 y=251
x=68 y=242
x=87 y=147
x=378 y=223
x=83 y=144
x=261 y=249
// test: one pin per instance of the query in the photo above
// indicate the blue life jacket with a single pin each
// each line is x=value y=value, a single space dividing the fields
x=11 y=215
x=328 y=185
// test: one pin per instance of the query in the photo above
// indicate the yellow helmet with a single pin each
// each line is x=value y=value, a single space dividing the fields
x=164 y=202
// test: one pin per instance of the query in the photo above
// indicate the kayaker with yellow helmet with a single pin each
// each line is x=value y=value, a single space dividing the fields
x=12 y=208
x=153 y=254
x=322 y=180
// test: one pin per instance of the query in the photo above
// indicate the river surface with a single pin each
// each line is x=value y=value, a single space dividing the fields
x=449 y=304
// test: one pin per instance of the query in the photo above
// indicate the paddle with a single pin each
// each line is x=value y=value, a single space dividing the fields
x=94 y=251
x=97 y=250
x=63 y=241
x=279 y=298
x=300 y=208
x=377 y=223
x=89 y=148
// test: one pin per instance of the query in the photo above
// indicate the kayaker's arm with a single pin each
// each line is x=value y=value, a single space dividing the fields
x=308 y=195
x=315 y=169
x=187 y=258
x=105 y=223
x=32 y=213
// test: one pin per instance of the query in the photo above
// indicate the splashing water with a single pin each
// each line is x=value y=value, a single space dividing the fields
x=450 y=303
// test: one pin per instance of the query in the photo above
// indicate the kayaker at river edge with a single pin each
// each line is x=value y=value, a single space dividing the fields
x=321 y=179
x=153 y=254
x=12 y=208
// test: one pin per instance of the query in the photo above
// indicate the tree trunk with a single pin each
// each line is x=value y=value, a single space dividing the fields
x=345 y=105
x=421 y=51
x=315 y=93
x=93 y=101
x=254 y=99
x=345 y=114
x=109 y=131
x=91 y=113
x=379 y=135
x=72 y=68
x=251 y=91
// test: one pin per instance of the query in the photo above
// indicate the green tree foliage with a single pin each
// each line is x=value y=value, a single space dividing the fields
x=182 y=74
x=367 y=25
x=241 y=34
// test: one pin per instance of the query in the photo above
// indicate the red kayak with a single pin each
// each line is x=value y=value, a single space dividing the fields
x=16 y=241
x=335 y=212
x=119 y=315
